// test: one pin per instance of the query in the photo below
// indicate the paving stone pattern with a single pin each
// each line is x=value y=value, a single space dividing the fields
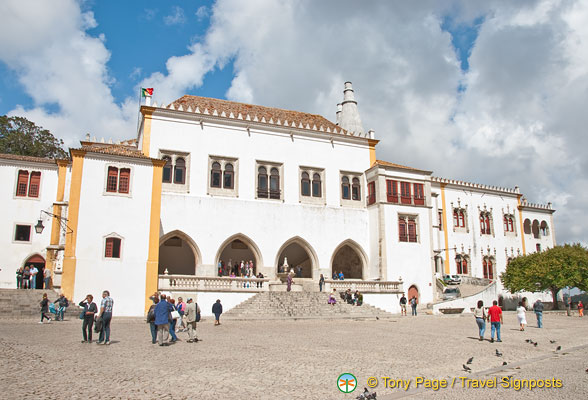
x=280 y=359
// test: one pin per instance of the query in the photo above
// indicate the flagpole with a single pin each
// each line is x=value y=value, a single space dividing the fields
x=139 y=113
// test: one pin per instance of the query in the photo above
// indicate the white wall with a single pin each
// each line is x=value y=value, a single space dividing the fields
x=102 y=214
x=23 y=211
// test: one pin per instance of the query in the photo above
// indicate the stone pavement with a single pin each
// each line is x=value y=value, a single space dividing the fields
x=285 y=359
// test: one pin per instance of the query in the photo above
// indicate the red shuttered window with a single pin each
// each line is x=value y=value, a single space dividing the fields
x=392 y=191
x=419 y=194
x=22 y=184
x=402 y=233
x=405 y=193
x=112 y=248
x=35 y=183
x=412 y=232
x=371 y=193
x=124 y=179
x=112 y=179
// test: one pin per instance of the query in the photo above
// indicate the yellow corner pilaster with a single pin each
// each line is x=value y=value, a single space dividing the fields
x=68 y=276
x=147 y=116
x=55 y=226
x=151 y=275
x=521 y=225
x=372 y=143
x=445 y=227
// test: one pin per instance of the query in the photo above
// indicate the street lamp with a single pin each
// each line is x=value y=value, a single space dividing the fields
x=62 y=221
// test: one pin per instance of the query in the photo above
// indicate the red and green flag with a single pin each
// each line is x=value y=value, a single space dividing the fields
x=146 y=92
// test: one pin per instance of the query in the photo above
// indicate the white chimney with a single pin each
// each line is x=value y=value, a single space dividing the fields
x=339 y=109
x=350 y=119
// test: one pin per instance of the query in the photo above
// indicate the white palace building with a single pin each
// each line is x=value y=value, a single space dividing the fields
x=210 y=180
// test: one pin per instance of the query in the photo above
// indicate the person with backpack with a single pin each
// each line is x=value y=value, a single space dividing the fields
x=217 y=310
x=63 y=303
x=192 y=317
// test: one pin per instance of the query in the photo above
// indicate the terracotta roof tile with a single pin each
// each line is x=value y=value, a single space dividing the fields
x=28 y=158
x=389 y=164
x=112 y=149
x=271 y=114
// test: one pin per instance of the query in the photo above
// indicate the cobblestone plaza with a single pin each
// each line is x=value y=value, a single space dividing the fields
x=288 y=359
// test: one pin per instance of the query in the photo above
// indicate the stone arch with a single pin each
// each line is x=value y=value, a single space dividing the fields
x=527 y=226
x=535 y=229
x=544 y=228
x=310 y=266
x=354 y=271
x=38 y=261
x=177 y=247
x=251 y=246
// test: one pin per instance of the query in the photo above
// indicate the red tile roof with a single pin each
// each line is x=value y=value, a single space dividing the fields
x=28 y=158
x=269 y=113
x=112 y=149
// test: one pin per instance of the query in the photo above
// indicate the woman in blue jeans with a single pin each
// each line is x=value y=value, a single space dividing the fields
x=172 y=324
x=480 y=316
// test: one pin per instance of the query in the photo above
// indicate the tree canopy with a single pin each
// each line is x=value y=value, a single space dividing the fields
x=22 y=137
x=553 y=269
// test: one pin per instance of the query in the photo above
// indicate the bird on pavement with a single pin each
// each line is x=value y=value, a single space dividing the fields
x=529 y=340
x=552 y=341
x=466 y=368
x=504 y=363
x=535 y=344
x=470 y=360
x=498 y=354
x=558 y=348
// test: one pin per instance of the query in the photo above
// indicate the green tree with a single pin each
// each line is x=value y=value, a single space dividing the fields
x=553 y=269
x=22 y=137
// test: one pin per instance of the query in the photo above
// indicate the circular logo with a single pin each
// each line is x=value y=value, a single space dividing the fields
x=346 y=383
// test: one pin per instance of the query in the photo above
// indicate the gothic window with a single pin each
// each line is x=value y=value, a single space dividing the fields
x=305 y=184
x=176 y=171
x=459 y=218
x=345 y=188
x=228 y=176
x=535 y=229
x=485 y=223
x=543 y=227
x=167 y=170
x=316 y=185
x=269 y=185
x=488 y=267
x=355 y=189
x=180 y=171
x=215 y=175
x=262 y=188
x=407 y=228
x=371 y=192
x=462 y=262
x=274 y=183
x=509 y=224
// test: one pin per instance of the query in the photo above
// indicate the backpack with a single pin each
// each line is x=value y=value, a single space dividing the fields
x=198 y=317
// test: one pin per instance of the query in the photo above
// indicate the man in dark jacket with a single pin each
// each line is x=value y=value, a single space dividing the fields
x=63 y=303
x=162 y=317
x=538 y=308
x=217 y=310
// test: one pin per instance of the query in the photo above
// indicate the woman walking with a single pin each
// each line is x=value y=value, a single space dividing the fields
x=522 y=318
x=580 y=308
x=480 y=316
x=44 y=308
x=90 y=309
x=217 y=310
x=321 y=283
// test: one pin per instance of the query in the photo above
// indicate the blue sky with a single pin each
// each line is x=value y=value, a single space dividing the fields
x=491 y=92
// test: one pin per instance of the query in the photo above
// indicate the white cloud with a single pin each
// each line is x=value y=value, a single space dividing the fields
x=176 y=18
x=202 y=13
x=57 y=63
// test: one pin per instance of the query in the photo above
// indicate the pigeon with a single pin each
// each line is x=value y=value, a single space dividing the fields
x=558 y=348
x=529 y=341
x=466 y=368
x=498 y=354
x=377 y=318
x=552 y=341
x=535 y=344
x=504 y=363
x=470 y=360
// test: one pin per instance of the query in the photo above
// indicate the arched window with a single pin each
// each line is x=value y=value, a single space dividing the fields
x=355 y=189
x=485 y=224
x=180 y=171
x=228 y=181
x=35 y=183
x=262 y=188
x=544 y=227
x=535 y=229
x=345 y=188
x=462 y=264
x=274 y=183
x=508 y=223
x=215 y=175
x=402 y=231
x=459 y=218
x=305 y=184
x=124 y=180
x=112 y=248
x=167 y=170
x=112 y=179
x=488 y=267
x=22 y=183
x=316 y=185
x=527 y=226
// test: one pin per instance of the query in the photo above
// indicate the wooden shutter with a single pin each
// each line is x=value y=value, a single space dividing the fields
x=392 y=191
x=108 y=247
x=123 y=182
x=35 y=184
x=22 y=183
x=112 y=180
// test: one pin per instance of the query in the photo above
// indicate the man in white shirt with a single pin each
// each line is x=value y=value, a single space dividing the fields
x=34 y=271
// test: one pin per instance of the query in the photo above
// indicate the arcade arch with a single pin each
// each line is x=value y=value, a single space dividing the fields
x=178 y=253
x=239 y=247
x=299 y=253
x=350 y=259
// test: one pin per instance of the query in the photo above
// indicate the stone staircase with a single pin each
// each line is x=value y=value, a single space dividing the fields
x=24 y=303
x=300 y=305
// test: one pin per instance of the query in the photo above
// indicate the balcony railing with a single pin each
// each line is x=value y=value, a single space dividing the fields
x=402 y=199
x=365 y=286
x=212 y=284
x=268 y=194
x=371 y=199
x=408 y=238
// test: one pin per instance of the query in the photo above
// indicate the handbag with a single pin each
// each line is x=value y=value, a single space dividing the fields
x=83 y=314
x=175 y=314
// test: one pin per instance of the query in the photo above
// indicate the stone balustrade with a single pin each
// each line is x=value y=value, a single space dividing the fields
x=212 y=284
x=365 y=286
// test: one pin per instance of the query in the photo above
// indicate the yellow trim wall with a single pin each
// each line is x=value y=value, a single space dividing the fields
x=445 y=234
x=147 y=116
x=151 y=275
x=372 y=143
x=55 y=225
x=521 y=225
x=68 y=276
